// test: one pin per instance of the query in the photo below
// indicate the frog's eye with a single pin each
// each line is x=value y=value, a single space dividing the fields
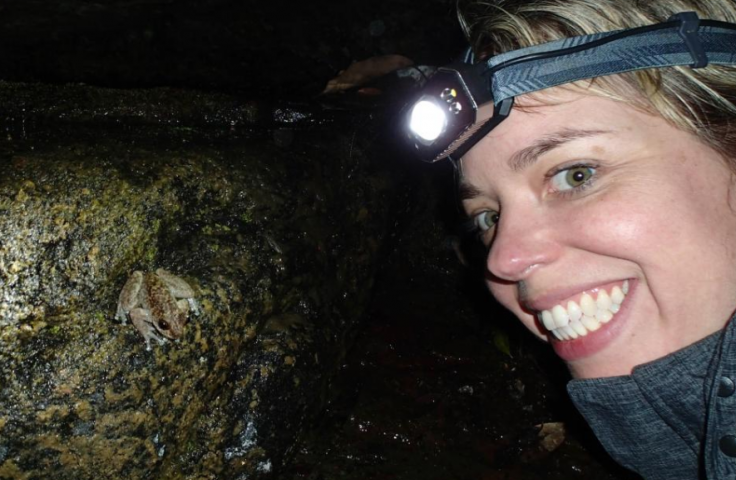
x=163 y=325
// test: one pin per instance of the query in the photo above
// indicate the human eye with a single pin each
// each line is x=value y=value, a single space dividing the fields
x=575 y=177
x=479 y=228
x=485 y=220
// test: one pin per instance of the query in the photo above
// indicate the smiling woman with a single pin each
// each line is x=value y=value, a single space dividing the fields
x=608 y=209
x=634 y=209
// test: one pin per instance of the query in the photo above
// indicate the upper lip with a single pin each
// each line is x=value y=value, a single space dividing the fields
x=545 y=300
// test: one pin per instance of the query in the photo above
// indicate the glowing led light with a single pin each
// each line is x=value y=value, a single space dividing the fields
x=427 y=120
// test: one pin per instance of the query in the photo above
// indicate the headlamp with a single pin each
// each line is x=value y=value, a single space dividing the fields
x=464 y=101
x=454 y=104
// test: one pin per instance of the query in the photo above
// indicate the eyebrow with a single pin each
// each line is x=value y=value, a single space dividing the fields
x=527 y=156
x=466 y=191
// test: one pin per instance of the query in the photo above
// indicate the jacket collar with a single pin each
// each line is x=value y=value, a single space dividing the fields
x=653 y=421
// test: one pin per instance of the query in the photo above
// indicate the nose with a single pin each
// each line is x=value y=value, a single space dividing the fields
x=525 y=241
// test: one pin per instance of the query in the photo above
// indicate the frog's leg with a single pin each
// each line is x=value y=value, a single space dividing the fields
x=129 y=295
x=187 y=305
x=178 y=287
x=142 y=322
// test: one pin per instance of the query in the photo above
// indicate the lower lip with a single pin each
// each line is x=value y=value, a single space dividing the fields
x=594 y=342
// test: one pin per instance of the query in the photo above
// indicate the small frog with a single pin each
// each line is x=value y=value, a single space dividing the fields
x=158 y=304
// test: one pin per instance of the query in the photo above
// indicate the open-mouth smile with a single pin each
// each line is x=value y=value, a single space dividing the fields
x=578 y=317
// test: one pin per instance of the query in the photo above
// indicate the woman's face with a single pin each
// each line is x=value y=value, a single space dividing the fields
x=612 y=234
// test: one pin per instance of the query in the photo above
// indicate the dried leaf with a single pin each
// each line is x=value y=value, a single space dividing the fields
x=369 y=91
x=362 y=72
x=552 y=435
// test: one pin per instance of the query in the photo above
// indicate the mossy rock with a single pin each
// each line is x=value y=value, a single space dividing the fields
x=280 y=245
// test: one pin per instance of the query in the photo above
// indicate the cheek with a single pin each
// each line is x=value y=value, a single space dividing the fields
x=623 y=226
x=661 y=231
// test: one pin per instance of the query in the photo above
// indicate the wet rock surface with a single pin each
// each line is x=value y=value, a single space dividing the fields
x=279 y=249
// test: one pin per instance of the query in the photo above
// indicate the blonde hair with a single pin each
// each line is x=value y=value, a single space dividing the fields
x=701 y=101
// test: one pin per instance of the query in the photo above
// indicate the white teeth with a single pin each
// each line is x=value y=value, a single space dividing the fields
x=617 y=296
x=590 y=323
x=577 y=320
x=603 y=316
x=604 y=301
x=573 y=309
x=588 y=305
x=579 y=328
x=547 y=320
x=560 y=315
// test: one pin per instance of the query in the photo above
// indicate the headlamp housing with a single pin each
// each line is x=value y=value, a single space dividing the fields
x=452 y=107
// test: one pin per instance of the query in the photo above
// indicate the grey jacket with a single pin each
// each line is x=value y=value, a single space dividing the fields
x=673 y=418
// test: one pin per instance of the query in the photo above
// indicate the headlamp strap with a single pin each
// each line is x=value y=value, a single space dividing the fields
x=689 y=23
x=684 y=40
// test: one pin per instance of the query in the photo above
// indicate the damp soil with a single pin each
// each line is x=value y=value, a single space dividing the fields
x=442 y=384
